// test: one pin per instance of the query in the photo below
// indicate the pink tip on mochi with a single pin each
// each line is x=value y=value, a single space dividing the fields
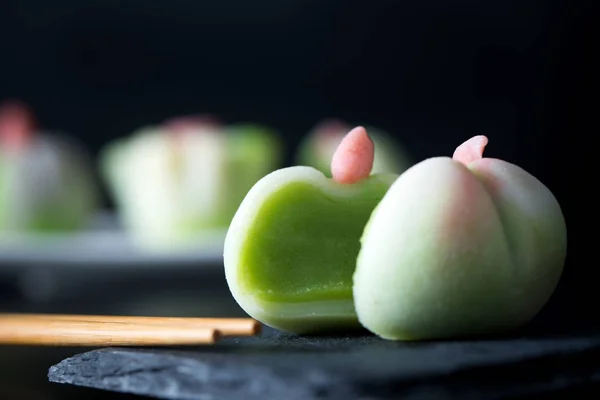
x=17 y=124
x=471 y=150
x=353 y=158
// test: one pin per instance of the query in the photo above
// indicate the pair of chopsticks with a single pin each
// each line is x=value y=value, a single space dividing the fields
x=101 y=330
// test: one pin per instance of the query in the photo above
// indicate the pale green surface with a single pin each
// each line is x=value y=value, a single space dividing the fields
x=451 y=252
x=291 y=249
x=254 y=151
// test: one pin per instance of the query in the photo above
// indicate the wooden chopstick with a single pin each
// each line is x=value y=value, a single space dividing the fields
x=84 y=330
x=80 y=333
x=226 y=326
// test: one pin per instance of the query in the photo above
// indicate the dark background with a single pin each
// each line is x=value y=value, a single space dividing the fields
x=433 y=73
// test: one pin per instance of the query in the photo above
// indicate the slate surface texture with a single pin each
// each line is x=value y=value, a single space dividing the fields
x=281 y=366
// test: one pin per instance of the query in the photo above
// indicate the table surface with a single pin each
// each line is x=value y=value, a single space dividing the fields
x=276 y=365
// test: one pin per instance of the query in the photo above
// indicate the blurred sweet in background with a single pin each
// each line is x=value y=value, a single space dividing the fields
x=318 y=147
x=46 y=180
x=176 y=181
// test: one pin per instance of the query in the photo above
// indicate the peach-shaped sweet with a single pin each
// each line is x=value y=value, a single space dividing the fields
x=175 y=182
x=459 y=247
x=291 y=248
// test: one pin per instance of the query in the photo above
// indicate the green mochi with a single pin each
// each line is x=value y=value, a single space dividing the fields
x=291 y=249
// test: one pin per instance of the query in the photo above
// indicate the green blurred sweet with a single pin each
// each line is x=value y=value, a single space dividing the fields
x=46 y=184
x=173 y=182
x=291 y=248
x=253 y=153
x=319 y=145
x=457 y=247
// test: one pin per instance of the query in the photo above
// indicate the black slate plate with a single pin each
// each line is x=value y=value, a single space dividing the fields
x=280 y=366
